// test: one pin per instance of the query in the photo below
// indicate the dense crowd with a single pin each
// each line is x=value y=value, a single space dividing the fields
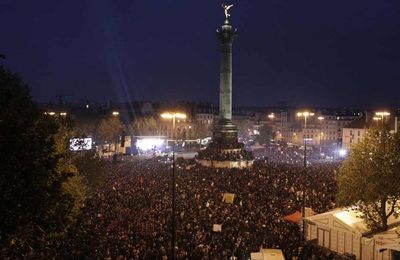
x=281 y=153
x=229 y=155
x=130 y=216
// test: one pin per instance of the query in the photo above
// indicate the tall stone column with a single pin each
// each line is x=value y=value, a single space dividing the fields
x=226 y=36
x=224 y=130
x=225 y=133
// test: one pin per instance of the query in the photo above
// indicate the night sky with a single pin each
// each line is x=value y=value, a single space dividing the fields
x=321 y=53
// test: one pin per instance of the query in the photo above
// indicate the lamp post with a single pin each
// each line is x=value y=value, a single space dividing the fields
x=271 y=116
x=320 y=118
x=304 y=114
x=382 y=114
x=173 y=116
x=376 y=119
x=115 y=155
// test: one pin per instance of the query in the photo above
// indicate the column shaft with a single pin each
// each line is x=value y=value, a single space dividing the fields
x=225 y=102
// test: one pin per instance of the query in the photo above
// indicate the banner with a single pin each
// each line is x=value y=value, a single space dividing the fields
x=228 y=198
x=217 y=227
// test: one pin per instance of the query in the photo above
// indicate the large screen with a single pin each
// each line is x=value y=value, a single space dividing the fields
x=79 y=144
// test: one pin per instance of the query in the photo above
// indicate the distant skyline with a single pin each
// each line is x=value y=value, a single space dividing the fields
x=313 y=53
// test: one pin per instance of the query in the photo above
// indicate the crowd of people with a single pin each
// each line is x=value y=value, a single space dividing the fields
x=282 y=153
x=130 y=216
x=227 y=155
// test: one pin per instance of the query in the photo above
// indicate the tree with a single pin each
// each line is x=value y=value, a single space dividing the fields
x=109 y=130
x=145 y=126
x=370 y=177
x=92 y=170
x=265 y=134
x=35 y=202
x=243 y=128
x=202 y=130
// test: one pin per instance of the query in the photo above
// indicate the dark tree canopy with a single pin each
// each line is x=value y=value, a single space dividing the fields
x=265 y=135
x=35 y=176
x=370 y=177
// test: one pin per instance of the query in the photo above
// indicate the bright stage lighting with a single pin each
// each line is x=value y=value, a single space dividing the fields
x=150 y=143
x=342 y=152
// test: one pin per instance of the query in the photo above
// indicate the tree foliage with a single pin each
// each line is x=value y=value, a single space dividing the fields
x=370 y=177
x=93 y=170
x=110 y=129
x=265 y=135
x=40 y=188
x=145 y=126
x=202 y=130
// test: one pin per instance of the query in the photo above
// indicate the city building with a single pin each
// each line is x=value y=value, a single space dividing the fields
x=354 y=132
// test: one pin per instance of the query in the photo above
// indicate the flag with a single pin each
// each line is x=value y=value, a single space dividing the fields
x=294 y=217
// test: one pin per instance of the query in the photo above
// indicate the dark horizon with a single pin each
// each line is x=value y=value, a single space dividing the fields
x=306 y=54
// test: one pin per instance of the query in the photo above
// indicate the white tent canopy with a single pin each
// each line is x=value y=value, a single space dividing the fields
x=345 y=231
x=346 y=218
x=268 y=254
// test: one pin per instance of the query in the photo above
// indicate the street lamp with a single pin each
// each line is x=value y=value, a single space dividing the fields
x=304 y=114
x=271 y=116
x=320 y=118
x=173 y=116
x=115 y=155
x=382 y=114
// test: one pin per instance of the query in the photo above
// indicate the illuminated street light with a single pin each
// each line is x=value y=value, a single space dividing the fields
x=375 y=118
x=115 y=113
x=63 y=114
x=320 y=118
x=271 y=116
x=304 y=114
x=173 y=116
x=382 y=114
x=51 y=113
x=168 y=115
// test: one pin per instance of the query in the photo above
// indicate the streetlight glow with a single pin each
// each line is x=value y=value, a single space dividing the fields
x=115 y=113
x=271 y=116
x=63 y=114
x=168 y=115
x=382 y=113
x=321 y=118
x=305 y=114
x=173 y=116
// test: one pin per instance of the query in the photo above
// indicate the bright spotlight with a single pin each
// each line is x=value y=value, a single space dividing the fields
x=150 y=143
x=342 y=152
